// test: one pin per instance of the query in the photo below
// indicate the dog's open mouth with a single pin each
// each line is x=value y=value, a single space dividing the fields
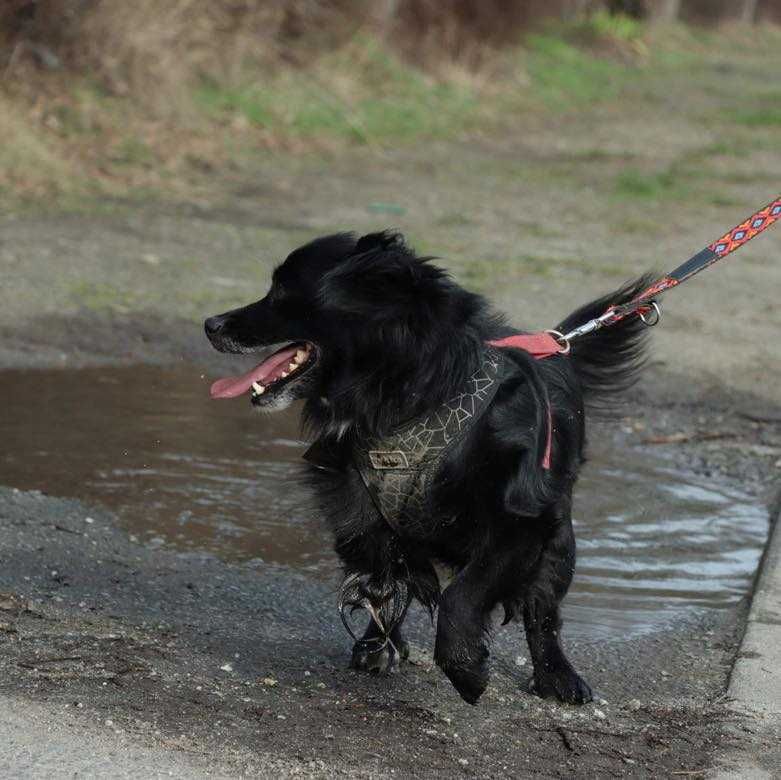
x=280 y=369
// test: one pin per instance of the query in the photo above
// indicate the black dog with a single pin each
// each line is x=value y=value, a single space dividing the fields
x=431 y=446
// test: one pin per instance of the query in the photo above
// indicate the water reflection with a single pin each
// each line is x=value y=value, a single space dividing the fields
x=178 y=468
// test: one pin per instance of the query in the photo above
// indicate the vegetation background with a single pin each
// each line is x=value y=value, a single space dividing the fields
x=158 y=158
x=108 y=95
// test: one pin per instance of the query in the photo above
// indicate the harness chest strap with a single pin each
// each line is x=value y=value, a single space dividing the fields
x=398 y=470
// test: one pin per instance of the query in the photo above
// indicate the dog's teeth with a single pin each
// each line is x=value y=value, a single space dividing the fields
x=300 y=356
x=283 y=374
x=293 y=366
x=259 y=389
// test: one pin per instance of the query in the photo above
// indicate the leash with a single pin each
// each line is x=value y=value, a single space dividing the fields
x=551 y=342
x=645 y=305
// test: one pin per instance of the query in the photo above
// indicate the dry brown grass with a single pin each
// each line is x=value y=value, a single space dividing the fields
x=115 y=95
x=153 y=48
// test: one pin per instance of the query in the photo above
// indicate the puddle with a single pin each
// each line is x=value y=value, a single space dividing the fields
x=178 y=468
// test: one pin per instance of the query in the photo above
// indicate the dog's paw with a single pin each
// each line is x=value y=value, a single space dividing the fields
x=383 y=661
x=470 y=681
x=564 y=683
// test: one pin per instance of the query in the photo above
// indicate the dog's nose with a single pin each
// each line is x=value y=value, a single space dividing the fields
x=213 y=325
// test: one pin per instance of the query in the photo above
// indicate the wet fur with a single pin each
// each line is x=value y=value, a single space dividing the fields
x=398 y=337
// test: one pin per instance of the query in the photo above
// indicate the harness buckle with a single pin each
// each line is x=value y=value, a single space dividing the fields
x=388 y=459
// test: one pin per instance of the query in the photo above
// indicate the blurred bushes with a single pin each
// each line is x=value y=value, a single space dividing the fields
x=111 y=94
x=157 y=45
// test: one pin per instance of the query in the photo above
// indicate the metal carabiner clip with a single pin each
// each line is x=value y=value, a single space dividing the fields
x=644 y=316
x=562 y=339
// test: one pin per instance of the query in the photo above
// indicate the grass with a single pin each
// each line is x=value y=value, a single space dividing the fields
x=99 y=297
x=390 y=101
x=632 y=183
x=87 y=138
x=769 y=116
x=564 y=75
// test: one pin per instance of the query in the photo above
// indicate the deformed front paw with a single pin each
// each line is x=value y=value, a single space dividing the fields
x=470 y=680
x=367 y=657
x=564 y=683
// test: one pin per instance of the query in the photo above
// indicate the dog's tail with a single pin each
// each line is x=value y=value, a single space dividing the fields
x=609 y=360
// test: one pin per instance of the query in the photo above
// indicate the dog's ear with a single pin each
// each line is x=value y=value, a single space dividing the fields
x=381 y=276
x=383 y=240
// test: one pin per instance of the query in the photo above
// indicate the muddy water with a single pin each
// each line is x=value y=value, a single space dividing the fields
x=180 y=469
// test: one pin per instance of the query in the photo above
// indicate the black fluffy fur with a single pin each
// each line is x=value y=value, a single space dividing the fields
x=396 y=337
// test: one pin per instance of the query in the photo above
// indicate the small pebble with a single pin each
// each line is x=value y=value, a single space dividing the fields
x=226 y=668
x=599 y=714
x=270 y=681
x=463 y=762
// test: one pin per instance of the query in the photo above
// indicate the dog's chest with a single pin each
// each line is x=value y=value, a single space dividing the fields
x=400 y=470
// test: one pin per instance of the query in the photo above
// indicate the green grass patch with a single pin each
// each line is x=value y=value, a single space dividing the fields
x=769 y=116
x=390 y=100
x=633 y=183
x=617 y=27
x=565 y=75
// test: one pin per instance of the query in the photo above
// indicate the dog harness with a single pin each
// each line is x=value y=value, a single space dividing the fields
x=398 y=470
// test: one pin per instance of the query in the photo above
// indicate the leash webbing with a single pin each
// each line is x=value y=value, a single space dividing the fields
x=644 y=303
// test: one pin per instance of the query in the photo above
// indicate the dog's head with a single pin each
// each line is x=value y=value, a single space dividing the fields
x=364 y=326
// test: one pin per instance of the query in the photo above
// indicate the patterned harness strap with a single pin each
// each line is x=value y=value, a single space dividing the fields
x=397 y=471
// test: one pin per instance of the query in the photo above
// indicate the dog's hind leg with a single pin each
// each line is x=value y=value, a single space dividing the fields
x=553 y=673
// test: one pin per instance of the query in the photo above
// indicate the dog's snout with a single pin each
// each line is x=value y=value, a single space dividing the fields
x=213 y=325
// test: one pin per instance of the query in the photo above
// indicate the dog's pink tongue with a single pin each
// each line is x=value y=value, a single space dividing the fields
x=269 y=369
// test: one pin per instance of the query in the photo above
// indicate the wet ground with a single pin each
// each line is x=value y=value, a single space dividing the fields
x=181 y=470
x=186 y=601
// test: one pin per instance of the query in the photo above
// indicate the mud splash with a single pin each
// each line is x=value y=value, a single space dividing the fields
x=178 y=469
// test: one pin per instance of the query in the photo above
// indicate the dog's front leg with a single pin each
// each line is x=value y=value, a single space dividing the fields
x=371 y=653
x=461 y=648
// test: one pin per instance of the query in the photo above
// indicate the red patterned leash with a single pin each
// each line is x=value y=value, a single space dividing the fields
x=644 y=304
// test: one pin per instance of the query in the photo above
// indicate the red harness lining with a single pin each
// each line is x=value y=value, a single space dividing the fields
x=539 y=346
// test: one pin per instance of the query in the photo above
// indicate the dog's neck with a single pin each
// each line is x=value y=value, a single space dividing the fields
x=379 y=401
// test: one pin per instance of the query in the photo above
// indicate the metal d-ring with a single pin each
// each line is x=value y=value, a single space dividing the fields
x=562 y=339
x=651 y=322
